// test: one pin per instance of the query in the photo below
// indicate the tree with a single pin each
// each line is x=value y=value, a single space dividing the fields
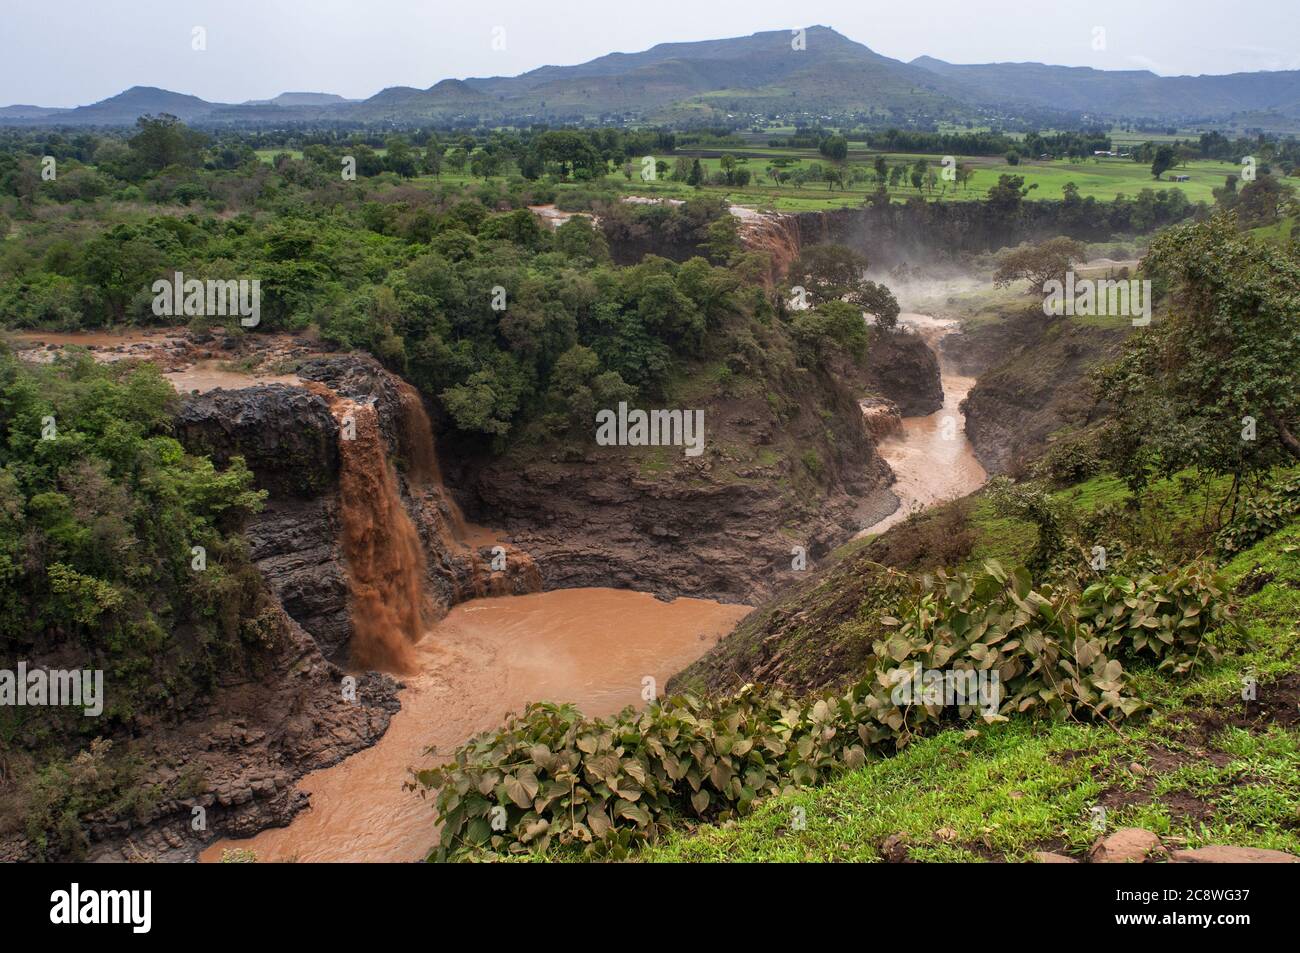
x=1038 y=264
x=457 y=158
x=838 y=273
x=1163 y=162
x=882 y=169
x=1006 y=196
x=400 y=158
x=573 y=151
x=162 y=141
x=835 y=148
x=433 y=158
x=1260 y=202
x=696 y=178
x=1213 y=385
x=835 y=324
x=728 y=166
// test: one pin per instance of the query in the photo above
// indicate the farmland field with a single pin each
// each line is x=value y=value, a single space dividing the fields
x=1103 y=179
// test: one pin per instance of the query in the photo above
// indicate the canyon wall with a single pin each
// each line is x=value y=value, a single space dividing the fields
x=1033 y=381
x=290 y=438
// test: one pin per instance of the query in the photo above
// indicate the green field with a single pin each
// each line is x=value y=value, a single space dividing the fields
x=1102 y=178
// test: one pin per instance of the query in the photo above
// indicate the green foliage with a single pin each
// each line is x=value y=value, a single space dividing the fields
x=1033 y=505
x=1070 y=459
x=1163 y=616
x=551 y=778
x=1214 y=384
x=99 y=511
x=63 y=791
x=1261 y=515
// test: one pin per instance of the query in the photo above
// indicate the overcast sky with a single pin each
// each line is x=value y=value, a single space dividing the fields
x=80 y=51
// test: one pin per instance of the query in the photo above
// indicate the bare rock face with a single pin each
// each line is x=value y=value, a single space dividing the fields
x=598 y=524
x=295 y=544
x=229 y=768
x=902 y=368
x=1128 y=845
x=285 y=434
x=1033 y=382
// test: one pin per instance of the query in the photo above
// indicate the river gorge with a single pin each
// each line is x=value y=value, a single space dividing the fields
x=379 y=565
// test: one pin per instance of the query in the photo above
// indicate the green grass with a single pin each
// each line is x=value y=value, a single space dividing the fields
x=1103 y=179
x=1280 y=232
x=1003 y=791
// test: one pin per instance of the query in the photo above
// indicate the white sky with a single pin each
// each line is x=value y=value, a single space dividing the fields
x=81 y=51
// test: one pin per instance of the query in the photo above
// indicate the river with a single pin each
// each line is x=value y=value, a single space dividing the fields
x=931 y=457
x=488 y=657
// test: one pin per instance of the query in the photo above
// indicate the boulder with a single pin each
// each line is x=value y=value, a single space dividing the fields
x=1129 y=845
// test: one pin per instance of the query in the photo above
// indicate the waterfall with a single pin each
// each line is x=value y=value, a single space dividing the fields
x=385 y=559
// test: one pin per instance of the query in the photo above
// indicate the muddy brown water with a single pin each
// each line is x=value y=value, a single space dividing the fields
x=931 y=456
x=590 y=647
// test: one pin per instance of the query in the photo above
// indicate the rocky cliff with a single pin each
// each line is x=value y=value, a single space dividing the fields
x=289 y=437
x=1033 y=381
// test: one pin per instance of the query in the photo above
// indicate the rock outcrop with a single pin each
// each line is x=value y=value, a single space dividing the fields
x=1033 y=382
x=902 y=369
x=229 y=767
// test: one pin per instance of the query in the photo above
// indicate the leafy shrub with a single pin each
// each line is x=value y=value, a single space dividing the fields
x=1163 y=616
x=1070 y=460
x=551 y=777
x=1034 y=505
x=1260 y=516
x=941 y=537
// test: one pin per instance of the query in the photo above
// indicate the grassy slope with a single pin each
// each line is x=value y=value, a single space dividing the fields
x=1204 y=768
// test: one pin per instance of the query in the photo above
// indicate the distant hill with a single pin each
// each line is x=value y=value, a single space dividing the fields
x=761 y=72
x=124 y=108
x=299 y=99
x=759 y=75
x=30 y=112
x=1129 y=93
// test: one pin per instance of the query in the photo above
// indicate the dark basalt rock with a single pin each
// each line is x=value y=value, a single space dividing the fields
x=286 y=435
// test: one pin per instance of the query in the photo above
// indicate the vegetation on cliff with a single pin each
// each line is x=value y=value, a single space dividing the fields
x=120 y=552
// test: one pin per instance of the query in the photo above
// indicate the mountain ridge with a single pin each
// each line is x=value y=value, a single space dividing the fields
x=762 y=75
